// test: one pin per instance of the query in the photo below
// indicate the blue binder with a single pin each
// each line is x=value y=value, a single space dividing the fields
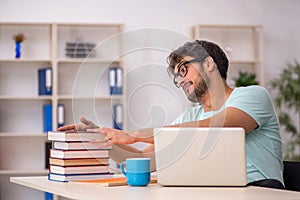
x=115 y=80
x=60 y=115
x=118 y=116
x=45 y=81
x=47 y=116
x=48 y=196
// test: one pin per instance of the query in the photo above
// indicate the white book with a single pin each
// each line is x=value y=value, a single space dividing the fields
x=76 y=145
x=68 y=154
x=79 y=169
x=73 y=136
x=77 y=177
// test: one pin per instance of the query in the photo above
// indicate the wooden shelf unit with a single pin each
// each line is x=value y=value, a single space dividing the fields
x=22 y=140
x=243 y=45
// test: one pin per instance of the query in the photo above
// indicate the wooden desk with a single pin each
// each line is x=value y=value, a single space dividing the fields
x=152 y=191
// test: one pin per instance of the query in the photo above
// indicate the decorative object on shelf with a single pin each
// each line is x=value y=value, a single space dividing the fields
x=79 y=49
x=19 y=38
x=245 y=79
x=287 y=101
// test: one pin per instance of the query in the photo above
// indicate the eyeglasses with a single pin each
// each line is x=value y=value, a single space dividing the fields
x=183 y=70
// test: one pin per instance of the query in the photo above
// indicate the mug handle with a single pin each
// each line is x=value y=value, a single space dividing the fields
x=122 y=168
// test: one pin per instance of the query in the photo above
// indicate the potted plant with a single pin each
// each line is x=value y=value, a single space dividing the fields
x=287 y=101
x=245 y=79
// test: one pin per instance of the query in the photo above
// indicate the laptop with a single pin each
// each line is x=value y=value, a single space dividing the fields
x=200 y=156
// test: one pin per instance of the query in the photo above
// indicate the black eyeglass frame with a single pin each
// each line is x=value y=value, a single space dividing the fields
x=183 y=64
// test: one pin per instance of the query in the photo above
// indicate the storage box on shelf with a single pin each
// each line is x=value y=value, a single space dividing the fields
x=242 y=43
x=66 y=48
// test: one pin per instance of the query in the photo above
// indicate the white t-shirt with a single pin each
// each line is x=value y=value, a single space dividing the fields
x=263 y=145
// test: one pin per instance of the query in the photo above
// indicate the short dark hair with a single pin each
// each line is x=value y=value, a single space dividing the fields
x=200 y=49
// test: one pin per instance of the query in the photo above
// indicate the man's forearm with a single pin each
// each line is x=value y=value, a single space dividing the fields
x=121 y=152
x=145 y=135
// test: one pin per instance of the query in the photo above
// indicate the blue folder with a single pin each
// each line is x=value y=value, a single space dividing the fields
x=115 y=80
x=45 y=81
x=47 y=117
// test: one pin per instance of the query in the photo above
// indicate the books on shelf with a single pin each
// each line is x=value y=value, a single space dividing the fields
x=77 y=49
x=48 y=146
x=47 y=117
x=48 y=196
x=60 y=115
x=115 y=76
x=79 y=162
x=45 y=81
x=97 y=169
x=76 y=177
x=76 y=145
x=68 y=154
x=118 y=116
x=73 y=136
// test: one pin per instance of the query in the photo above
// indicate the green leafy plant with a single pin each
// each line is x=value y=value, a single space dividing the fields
x=287 y=101
x=245 y=79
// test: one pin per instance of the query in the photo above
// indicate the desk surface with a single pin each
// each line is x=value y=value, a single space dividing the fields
x=152 y=191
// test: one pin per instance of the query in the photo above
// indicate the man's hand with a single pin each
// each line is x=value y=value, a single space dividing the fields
x=112 y=136
x=86 y=124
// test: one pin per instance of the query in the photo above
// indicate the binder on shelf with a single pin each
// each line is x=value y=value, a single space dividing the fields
x=47 y=117
x=60 y=115
x=118 y=116
x=45 y=81
x=116 y=80
x=48 y=196
x=48 y=146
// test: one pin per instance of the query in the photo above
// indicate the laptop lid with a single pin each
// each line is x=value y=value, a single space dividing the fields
x=200 y=156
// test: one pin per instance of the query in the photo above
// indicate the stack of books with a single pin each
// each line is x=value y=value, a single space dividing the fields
x=73 y=157
x=79 y=49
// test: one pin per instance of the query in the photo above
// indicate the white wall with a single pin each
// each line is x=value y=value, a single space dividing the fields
x=279 y=18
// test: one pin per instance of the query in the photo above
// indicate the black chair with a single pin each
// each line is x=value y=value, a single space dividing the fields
x=291 y=175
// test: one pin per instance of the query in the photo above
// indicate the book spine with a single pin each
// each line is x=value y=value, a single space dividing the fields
x=60 y=115
x=112 y=80
x=47 y=116
x=45 y=81
x=118 y=116
x=48 y=146
x=119 y=80
x=48 y=196
x=68 y=154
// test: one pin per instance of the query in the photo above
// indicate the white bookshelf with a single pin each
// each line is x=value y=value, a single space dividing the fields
x=22 y=141
x=243 y=45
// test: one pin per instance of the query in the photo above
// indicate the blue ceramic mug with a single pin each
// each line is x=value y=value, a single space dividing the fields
x=137 y=171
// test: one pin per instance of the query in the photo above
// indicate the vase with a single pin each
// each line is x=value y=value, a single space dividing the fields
x=18 y=49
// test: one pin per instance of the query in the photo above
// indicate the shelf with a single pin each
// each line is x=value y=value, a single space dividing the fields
x=24 y=60
x=70 y=97
x=249 y=62
x=24 y=172
x=41 y=135
x=243 y=45
x=85 y=60
x=12 y=97
x=229 y=26
x=81 y=85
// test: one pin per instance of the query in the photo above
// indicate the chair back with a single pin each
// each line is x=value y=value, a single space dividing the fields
x=291 y=175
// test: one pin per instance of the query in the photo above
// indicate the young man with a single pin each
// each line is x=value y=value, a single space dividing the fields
x=200 y=69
